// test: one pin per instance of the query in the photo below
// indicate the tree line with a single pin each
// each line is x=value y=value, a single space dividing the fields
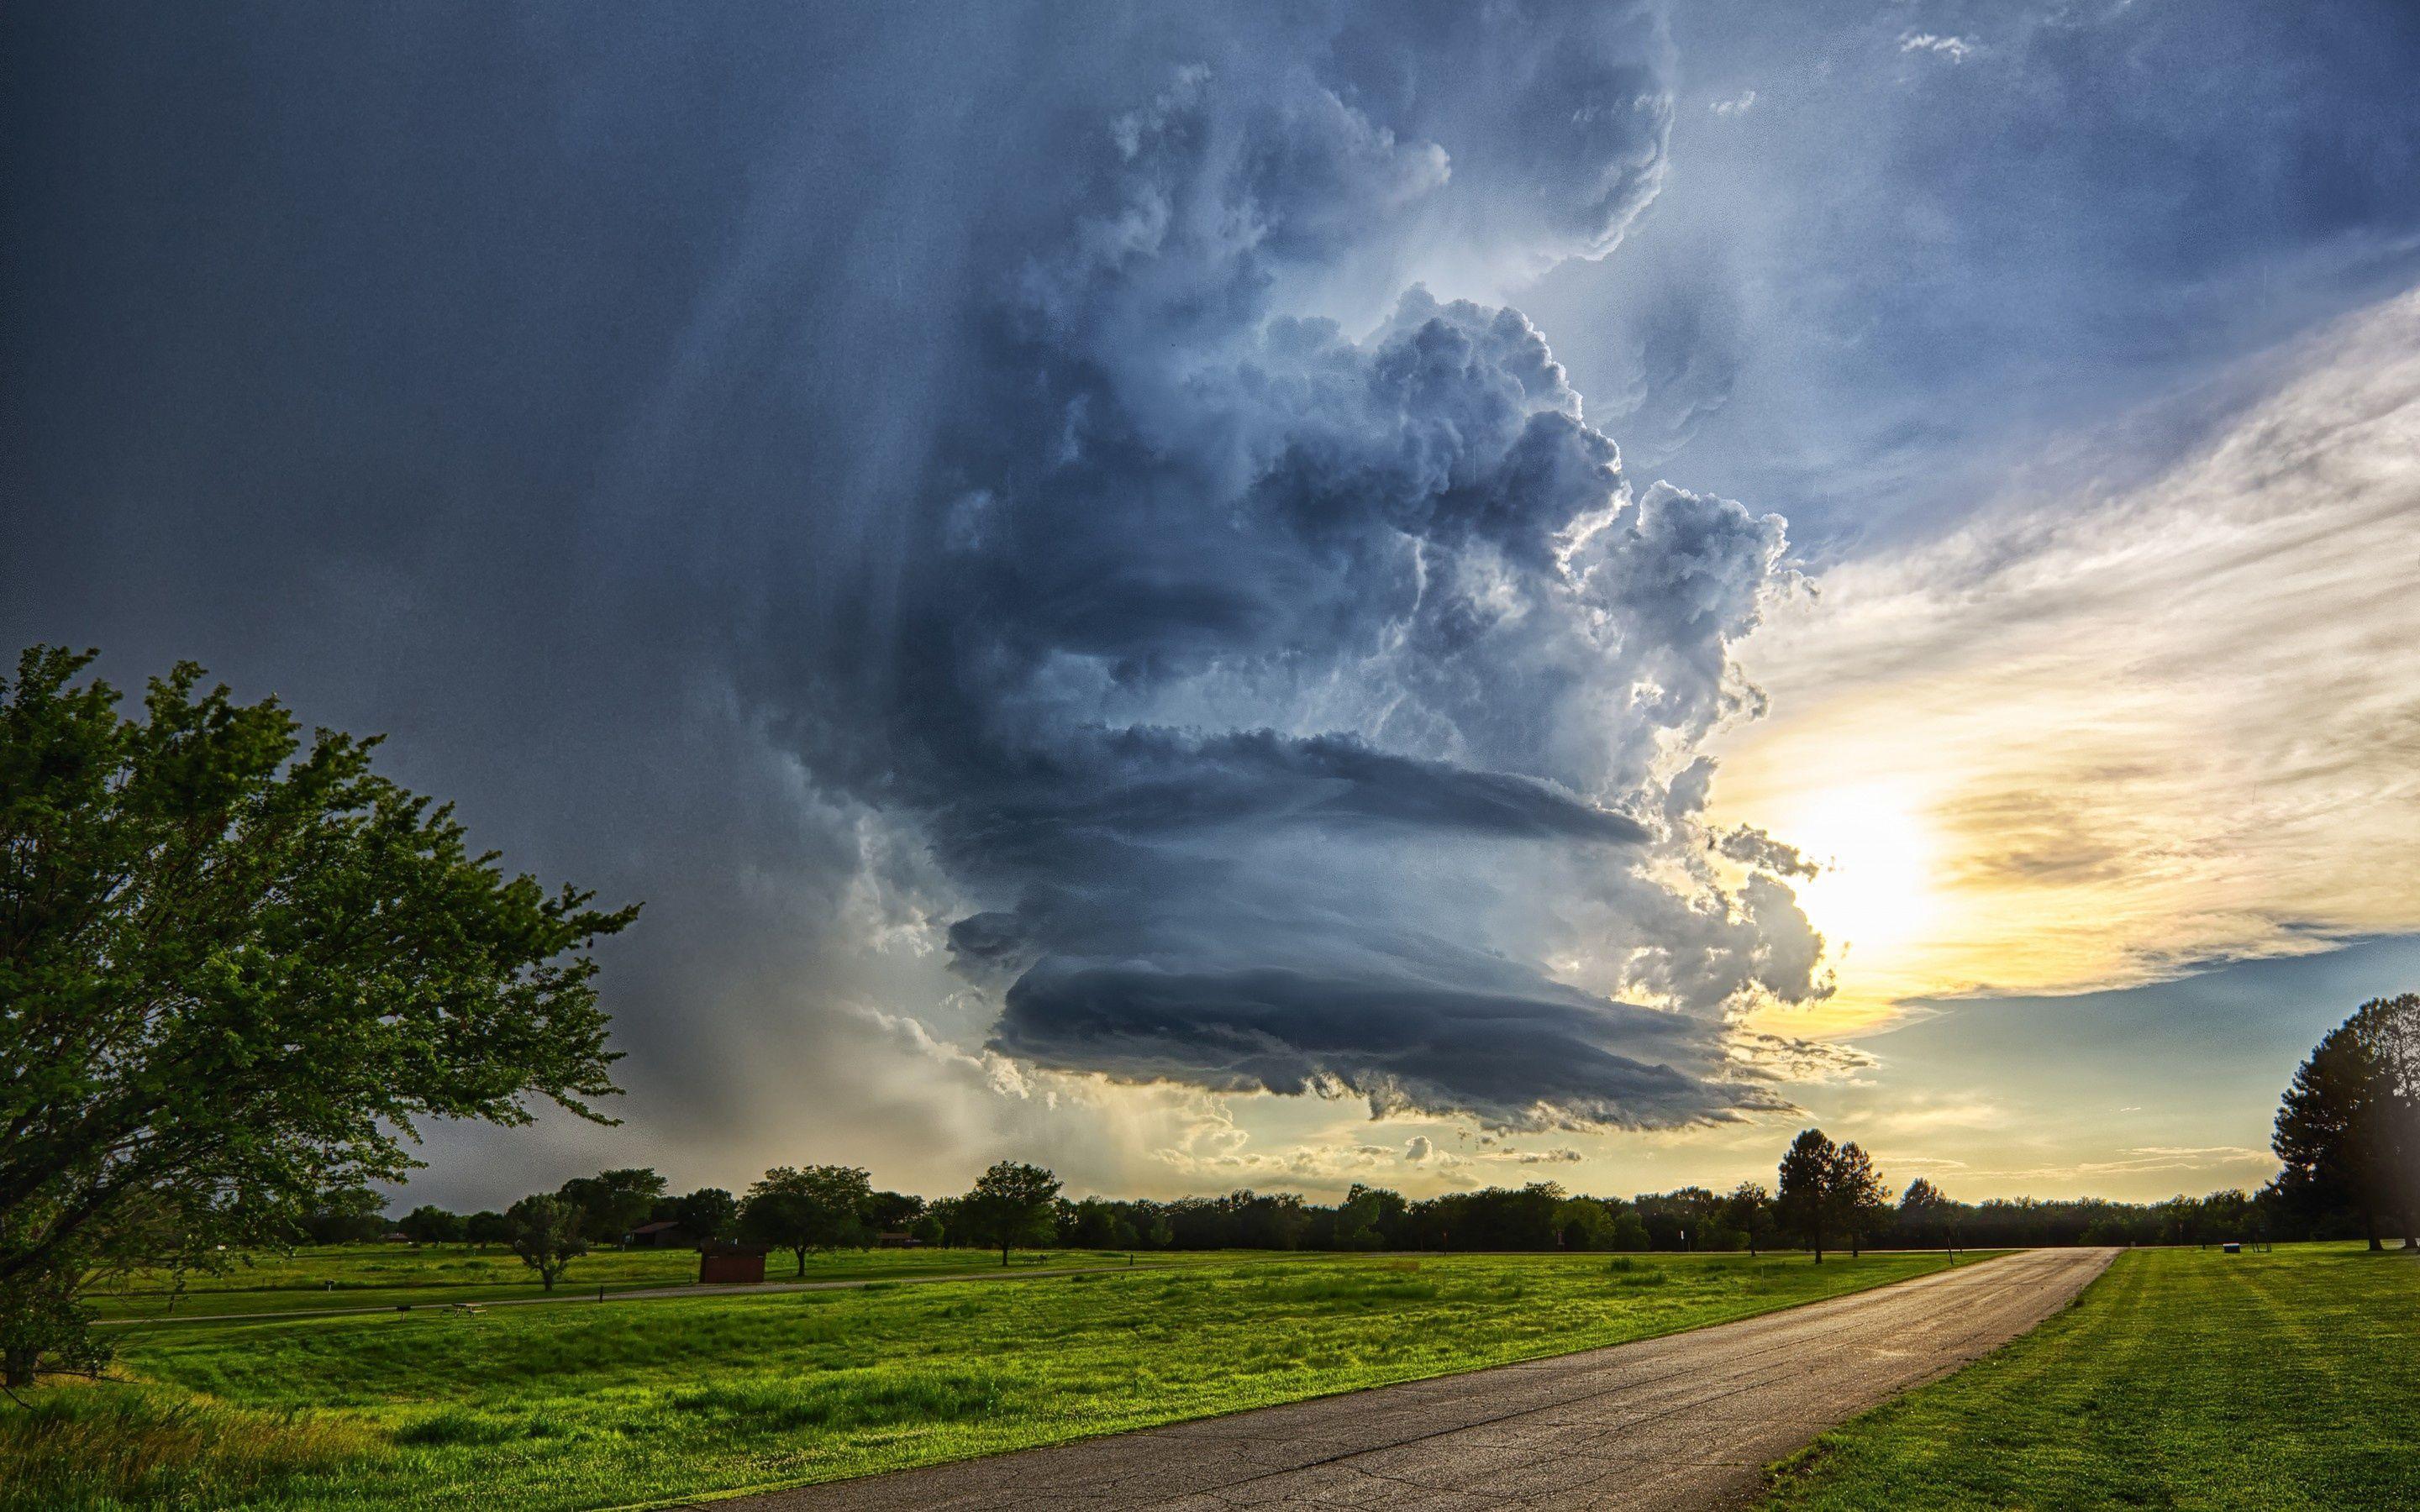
x=1825 y=1197
x=2346 y=1135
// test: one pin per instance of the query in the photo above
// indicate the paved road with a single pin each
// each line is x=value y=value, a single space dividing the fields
x=1684 y=1420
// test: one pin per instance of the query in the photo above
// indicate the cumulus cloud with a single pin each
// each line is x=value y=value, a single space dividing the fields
x=1251 y=675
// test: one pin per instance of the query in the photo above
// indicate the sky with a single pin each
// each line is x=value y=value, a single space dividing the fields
x=1285 y=595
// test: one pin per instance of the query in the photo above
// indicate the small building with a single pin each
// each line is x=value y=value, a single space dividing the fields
x=2231 y=1247
x=664 y=1234
x=721 y=1263
x=899 y=1241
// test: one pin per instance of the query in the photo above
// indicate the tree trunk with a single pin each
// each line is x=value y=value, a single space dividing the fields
x=2369 y=1225
x=800 y=1255
x=1004 y=1252
x=17 y=1370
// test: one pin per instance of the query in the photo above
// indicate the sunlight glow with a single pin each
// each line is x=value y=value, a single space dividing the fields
x=1876 y=886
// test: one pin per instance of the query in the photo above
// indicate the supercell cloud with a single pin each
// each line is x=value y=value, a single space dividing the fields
x=1293 y=690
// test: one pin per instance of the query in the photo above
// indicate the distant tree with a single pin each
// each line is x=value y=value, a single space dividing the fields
x=1011 y=1205
x=1091 y=1224
x=928 y=1229
x=1582 y=1224
x=708 y=1213
x=2333 y=1131
x=1749 y=1209
x=349 y=1215
x=612 y=1203
x=1269 y=1220
x=887 y=1212
x=1370 y=1218
x=1859 y=1195
x=546 y=1234
x=487 y=1226
x=1805 y=1203
x=235 y=970
x=943 y=1212
x=806 y=1208
x=1629 y=1230
x=2225 y=1215
x=428 y=1225
x=1924 y=1213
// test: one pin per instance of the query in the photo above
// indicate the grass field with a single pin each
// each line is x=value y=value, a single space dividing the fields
x=2181 y=1379
x=371 y=1276
x=582 y=1407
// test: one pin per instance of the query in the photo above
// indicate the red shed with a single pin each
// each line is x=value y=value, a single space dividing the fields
x=721 y=1263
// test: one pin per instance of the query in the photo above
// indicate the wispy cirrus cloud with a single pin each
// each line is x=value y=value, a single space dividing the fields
x=1934 y=44
x=2141 y=732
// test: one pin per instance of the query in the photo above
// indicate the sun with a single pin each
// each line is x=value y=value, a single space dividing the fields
x=1876 y=887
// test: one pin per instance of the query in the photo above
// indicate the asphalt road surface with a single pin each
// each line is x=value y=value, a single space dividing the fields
x=1689 y=1420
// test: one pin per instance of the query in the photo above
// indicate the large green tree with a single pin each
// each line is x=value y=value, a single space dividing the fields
x=237 y=966
x=1926 y=1213
x=1803 y=1199
x=802 y=1208
x=1011 y=1204
x=2348 y=1128
x=612 y=1203
x=1748 y=1211
x=708 y=1212
x=546 y=1233
x=1859 y=1195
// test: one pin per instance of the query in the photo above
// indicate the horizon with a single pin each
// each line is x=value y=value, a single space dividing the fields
x=1290 y=596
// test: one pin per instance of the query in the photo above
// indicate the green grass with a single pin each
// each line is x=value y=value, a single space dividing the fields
x=370 y=1276
x=2181 y=1379
x=582 y=1407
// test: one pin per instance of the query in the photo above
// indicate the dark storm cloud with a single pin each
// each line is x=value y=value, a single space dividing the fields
x=1545 y=1054
x=859 y=470
x=1245 y=664
x=1145 y=783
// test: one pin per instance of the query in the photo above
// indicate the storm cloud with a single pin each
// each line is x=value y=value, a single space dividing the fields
x=1037 y=522
x=1249 y=671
